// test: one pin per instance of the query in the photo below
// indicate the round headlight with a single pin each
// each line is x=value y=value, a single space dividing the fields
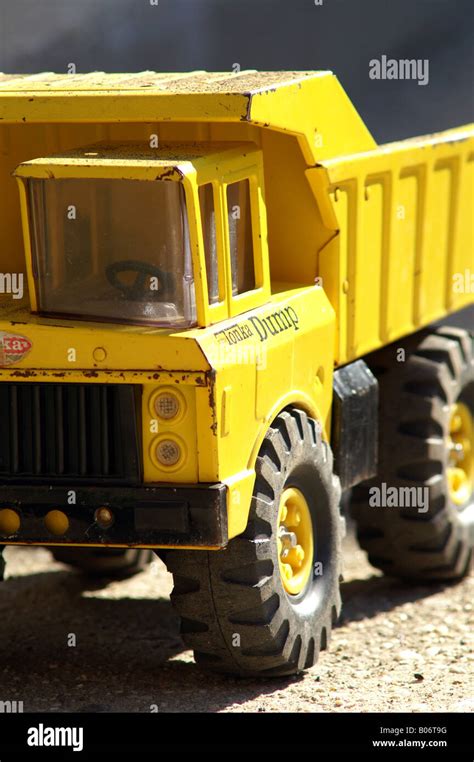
x=9 y=521
x=168 y=452
x=167 y=405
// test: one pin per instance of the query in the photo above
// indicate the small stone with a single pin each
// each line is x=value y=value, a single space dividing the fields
x=418 y=676
x=408 y=655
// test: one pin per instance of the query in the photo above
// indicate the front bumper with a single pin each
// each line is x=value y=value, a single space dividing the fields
x=155 y=516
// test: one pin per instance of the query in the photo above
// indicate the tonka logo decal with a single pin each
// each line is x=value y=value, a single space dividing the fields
x=263 y=326
x=13 y=348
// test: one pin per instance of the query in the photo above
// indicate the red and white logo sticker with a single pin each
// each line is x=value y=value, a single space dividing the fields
x=13 y=348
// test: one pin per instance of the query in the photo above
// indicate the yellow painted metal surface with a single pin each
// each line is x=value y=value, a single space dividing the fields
x=263 y=361
x=403 y=252
x=356 y=245
x=311 y=105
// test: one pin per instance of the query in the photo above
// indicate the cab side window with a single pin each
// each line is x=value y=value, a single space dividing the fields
x=241 y=237
x=208 y=219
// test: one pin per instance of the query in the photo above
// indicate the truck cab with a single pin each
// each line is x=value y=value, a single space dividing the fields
x=163 y=253
x=172 y=237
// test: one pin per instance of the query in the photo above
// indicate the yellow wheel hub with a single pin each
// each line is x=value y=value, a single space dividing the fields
x=295 y=541
x=460 y=470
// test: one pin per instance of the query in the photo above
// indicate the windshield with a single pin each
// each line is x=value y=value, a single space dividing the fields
x=113 y=249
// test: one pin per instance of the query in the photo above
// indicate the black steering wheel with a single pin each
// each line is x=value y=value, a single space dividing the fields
x=139 y=290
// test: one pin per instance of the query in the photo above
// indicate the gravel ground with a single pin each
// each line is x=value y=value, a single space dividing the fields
x=397 y=648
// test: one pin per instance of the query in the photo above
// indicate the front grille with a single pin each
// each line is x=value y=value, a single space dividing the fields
x=51 y=431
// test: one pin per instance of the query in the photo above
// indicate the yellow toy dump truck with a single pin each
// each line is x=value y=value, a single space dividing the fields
x=216 y=293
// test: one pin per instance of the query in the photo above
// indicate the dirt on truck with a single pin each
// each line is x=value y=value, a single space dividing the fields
x=216 y=316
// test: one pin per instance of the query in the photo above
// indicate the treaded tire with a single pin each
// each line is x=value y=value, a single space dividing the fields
x=415 y=400
x=104 y=562
x=220 y=595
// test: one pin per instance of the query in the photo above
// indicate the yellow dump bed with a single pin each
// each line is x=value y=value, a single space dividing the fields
x=403 y=255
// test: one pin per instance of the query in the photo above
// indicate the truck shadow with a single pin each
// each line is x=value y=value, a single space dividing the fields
x=66 y=648
x=366 y=598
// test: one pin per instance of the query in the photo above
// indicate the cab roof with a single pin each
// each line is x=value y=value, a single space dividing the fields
x=133 y=160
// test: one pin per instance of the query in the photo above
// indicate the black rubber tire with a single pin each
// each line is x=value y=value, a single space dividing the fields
x=117 y=563
x=238 y=591
x=415 y=400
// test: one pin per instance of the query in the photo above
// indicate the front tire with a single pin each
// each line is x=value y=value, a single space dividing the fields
x=257 y=608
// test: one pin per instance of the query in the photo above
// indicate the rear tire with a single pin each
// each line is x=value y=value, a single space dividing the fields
x=416 y=402
x=235 y=611
x=116 y=563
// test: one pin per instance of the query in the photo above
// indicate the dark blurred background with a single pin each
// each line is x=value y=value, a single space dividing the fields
x=341 y=35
